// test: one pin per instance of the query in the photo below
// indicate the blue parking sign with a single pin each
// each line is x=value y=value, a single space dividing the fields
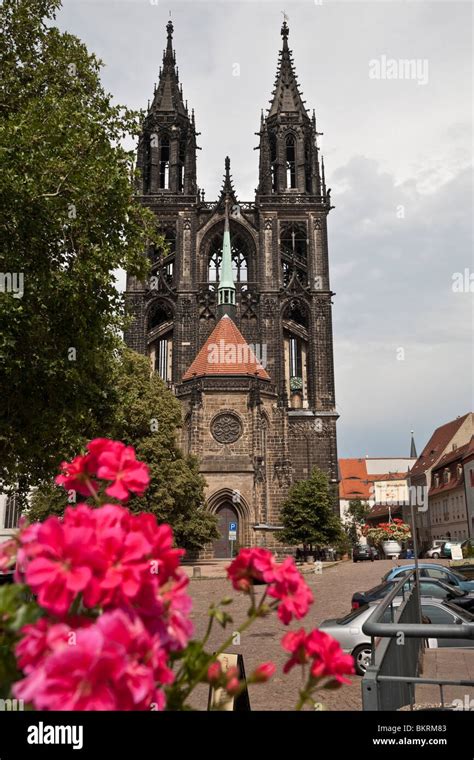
x=232 y=526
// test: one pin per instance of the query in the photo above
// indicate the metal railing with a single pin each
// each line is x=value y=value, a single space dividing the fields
x=390 y=680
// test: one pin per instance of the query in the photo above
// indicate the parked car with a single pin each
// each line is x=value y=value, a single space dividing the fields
x=348 y=630
x=434 y=552
x=429 y=587
x=446 y=548
x=361 y=552
x=429 y=570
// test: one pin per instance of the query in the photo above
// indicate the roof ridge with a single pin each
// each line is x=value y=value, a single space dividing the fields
x=226 y=352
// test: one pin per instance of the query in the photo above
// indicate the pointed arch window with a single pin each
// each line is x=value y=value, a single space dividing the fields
x=182 y=160
x=294 y=251
x=308 y=167
x=162 y=258
x=240 y=259
x=160 y=340
x=273 y=162
x=290 y=151
x=165 y=162
x=296 y=347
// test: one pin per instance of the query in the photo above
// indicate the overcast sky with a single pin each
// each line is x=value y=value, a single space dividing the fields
x=398 y=154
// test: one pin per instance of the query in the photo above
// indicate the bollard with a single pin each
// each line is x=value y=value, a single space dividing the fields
x=196 y=572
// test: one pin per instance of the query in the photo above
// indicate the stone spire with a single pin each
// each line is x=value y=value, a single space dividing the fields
x=286 y=97
x=168 y=95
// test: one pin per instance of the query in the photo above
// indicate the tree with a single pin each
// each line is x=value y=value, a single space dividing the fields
x=356 y=516
x=147 y=416
x=68 y=219
x=307 y=514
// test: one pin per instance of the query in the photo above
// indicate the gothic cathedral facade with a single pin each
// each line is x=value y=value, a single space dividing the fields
x=236 y=316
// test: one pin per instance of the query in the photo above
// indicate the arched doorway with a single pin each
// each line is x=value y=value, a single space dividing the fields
x=227 y=517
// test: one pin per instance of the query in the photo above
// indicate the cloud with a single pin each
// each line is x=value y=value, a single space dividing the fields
x=388 y=145
x=403 y=338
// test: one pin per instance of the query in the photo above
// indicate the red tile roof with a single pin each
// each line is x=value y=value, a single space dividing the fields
x=225 y=352
x=455 y=482
x=436 y=445
x=388 y=476
x=470 y=450
x=452 y=456
x=353 y=483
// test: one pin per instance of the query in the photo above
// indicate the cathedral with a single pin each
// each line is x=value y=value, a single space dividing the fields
x=236 y=314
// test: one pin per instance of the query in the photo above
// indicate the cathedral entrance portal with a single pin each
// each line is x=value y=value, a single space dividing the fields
x=226 y=516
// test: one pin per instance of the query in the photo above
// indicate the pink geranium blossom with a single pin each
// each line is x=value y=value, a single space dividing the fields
x=295 y=642
x=118 y=463
x=250 y=565
x=63 y=568
x=263 y=672
x=78 y=475
x=321 y=650
x=328 y=657
x=291 y=589
x=8 y=551
x=113 y=664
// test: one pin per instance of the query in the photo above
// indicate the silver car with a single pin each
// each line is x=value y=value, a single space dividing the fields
x=348 y=630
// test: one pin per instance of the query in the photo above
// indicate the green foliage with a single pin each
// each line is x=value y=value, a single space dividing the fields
x=68 y=219
x=147 y=417
x=307 y=514
x=356 y=516
x=358 y=510
x=16 y=610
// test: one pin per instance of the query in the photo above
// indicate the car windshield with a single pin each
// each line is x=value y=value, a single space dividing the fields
x=382 y=590
x=451 y=590
x=459 y=576
x=467 y=616
x=352 y=615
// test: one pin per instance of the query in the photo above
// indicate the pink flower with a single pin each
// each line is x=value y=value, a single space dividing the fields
x=290 y=588
x=8 y=551
x=166 y=611
x=113 y=664
x=78 y=474
x=214 y=673
x=62 y=569
x=328 y=657
x=118 y=463
x=232 y=685
x=295 y=642
x=249 y=565
x=39 y=639
x=321 y=650
x=263 y=672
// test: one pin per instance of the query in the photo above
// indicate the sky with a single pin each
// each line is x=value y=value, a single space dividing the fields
x=391 y=83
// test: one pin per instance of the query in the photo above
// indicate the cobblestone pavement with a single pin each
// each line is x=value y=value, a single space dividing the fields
x=332 y=589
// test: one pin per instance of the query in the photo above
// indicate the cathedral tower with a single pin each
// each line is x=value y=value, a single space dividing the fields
x=236 y=316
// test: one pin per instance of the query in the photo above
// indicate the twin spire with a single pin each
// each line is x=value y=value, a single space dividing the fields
x=169 y=94
x=286 y=95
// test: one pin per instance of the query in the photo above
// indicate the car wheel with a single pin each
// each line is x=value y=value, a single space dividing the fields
x=435 y=555
x=362 y=655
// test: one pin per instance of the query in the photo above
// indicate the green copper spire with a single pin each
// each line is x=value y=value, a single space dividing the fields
x=226 y=289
